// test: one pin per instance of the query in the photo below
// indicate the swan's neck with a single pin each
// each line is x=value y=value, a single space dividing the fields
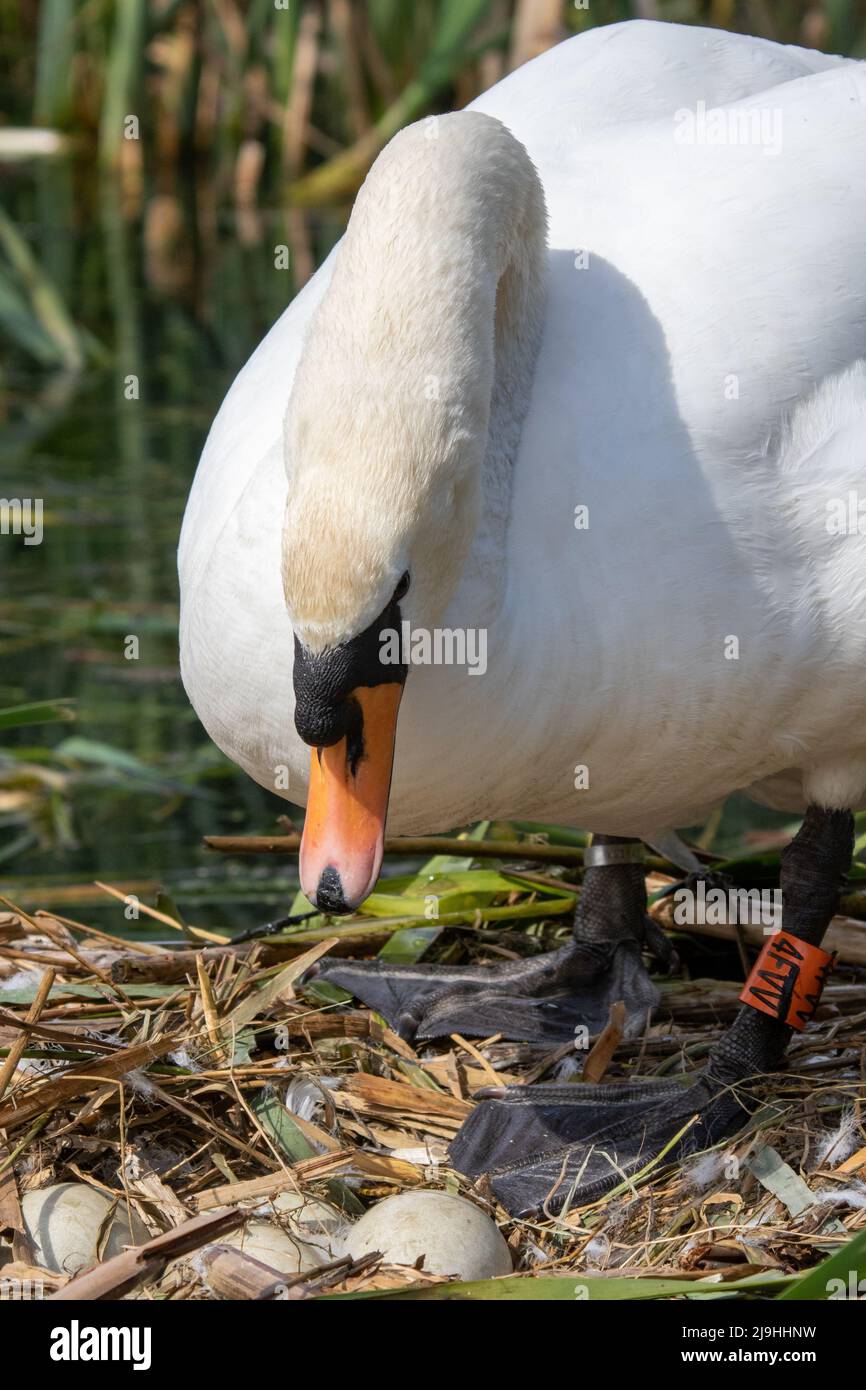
x=416 y=377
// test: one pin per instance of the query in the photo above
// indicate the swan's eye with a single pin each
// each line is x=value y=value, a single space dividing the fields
x=402 y=588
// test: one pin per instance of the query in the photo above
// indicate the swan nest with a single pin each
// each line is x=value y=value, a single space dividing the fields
x=253 y=1140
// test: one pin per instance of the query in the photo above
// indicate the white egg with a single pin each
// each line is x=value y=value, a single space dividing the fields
x=282 y=1250
x=309 y=1234
x=317 y=1221
x=453 y=1235
x=66 y=1221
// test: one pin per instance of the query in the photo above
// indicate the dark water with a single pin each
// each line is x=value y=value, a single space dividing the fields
x=177 y=290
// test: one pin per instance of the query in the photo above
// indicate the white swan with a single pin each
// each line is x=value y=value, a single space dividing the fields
x=697 y=389
x=624 y=451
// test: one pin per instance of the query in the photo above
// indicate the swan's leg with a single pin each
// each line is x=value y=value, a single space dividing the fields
x=543 y=1145
x=542 y=999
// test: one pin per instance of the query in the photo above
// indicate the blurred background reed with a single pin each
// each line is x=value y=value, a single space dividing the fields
x=171 y=172
x=298 y=95
x=244 y=85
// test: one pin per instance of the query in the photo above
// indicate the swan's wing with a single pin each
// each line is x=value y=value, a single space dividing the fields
x=235 y=636
x=727 y=277
x=636 y=71
x=751 y=254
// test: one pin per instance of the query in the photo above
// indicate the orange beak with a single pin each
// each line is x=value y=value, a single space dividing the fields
x=344 y=830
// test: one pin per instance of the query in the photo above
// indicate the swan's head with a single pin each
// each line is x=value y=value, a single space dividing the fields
x=346 y=700
x=386 y=433
x=382 y=506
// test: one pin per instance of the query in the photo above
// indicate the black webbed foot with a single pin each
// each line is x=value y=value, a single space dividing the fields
x=544 y=999
x=543 y=1147
x=539 y=1000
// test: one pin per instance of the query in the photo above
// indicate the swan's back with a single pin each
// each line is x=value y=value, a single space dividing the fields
x=731 y=275
x=637 y=71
